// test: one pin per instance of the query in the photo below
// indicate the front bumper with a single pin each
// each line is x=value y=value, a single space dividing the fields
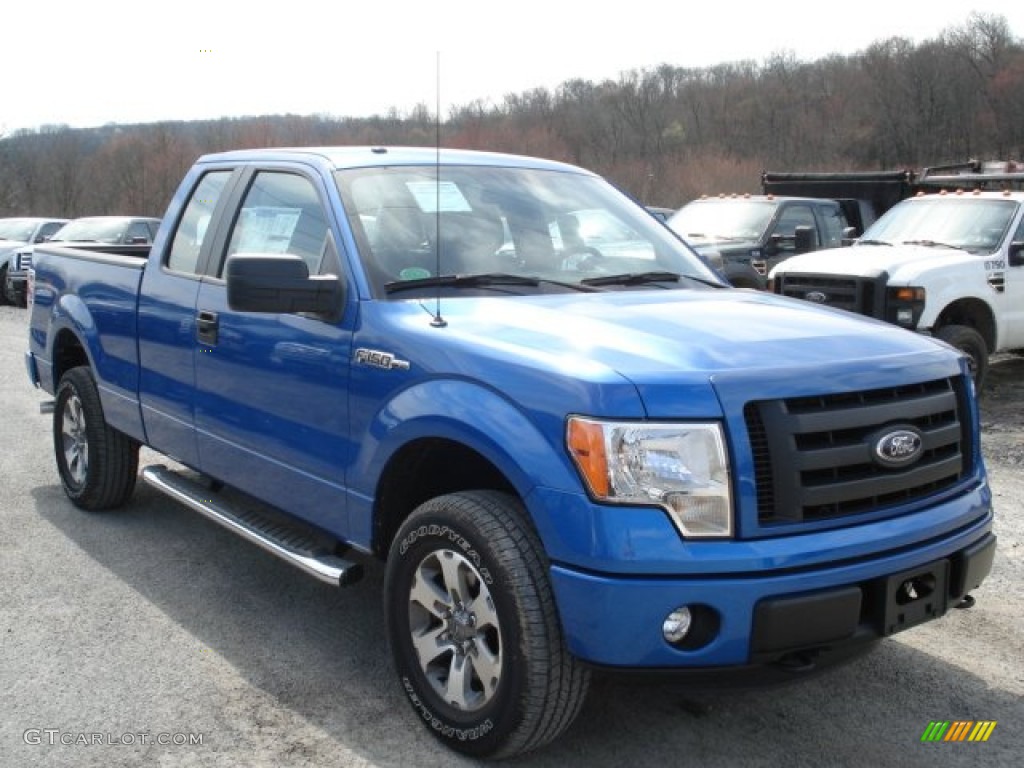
x=770 y=616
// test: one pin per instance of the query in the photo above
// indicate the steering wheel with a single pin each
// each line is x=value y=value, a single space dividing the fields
x=584 y=258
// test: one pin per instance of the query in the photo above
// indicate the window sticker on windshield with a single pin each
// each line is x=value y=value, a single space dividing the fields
x=431 y=196
x=266 y=229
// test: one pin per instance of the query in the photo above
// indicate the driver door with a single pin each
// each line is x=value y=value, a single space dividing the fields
x=271 y=405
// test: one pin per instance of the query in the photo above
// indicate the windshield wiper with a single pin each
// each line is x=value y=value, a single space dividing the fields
x=477 y=281
x=633 y=278
x=873 y=242
x=933 y=244
x=728 y=238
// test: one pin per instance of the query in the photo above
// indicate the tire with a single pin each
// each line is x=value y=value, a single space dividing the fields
x=17 y=297
x=970 y=342
x=3 y=287
x=97 y=464
x=475 y=559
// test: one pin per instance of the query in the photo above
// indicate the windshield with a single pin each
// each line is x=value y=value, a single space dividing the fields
x=977 y=225
x=557 y=228
x=92 y=230
x=17 y=229
x=729 y=219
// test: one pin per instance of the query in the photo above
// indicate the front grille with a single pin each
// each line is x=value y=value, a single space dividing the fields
x=865 y=296
x=814 y=456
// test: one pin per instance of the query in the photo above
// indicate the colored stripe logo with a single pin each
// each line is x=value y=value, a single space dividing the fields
x=958 y=730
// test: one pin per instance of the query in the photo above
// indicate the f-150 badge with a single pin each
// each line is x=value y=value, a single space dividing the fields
x=378 y=359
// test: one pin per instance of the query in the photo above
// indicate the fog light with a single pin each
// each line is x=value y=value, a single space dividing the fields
x=677 y=624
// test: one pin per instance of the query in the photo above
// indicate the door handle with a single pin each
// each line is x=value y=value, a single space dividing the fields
x=206 y=327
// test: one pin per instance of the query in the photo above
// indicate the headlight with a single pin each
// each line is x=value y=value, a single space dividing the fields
x=682 y=468
x=905 y=305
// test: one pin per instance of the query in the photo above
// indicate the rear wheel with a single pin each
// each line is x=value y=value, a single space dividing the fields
x=970 y=342
x=97 y=464
x=473 y=627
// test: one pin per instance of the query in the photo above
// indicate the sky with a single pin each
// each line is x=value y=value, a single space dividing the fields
x=86 y=64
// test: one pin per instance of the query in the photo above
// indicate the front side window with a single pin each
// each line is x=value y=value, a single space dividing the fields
x=282 y=213
x=793 y=216
x=47 y=231
x=137 y=232
x=835 y=222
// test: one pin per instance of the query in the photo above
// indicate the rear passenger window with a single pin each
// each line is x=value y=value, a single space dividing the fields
x=281 y=213
x=193 y=228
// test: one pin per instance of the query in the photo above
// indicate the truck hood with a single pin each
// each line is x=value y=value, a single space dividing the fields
x=873 y=260
x=683 y=352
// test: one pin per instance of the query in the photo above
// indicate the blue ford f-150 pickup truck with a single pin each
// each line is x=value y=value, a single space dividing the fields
x=568 y=456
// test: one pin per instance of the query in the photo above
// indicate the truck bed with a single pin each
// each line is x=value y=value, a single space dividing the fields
x=89 y=279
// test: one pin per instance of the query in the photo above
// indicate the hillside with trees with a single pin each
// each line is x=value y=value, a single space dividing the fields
x=665 y=134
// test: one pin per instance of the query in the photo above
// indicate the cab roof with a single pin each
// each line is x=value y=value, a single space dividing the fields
x=339 y=158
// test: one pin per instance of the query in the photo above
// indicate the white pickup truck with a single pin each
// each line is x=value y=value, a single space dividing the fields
x=948 y=264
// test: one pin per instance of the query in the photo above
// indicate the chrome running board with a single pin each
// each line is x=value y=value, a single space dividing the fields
x=286 y=542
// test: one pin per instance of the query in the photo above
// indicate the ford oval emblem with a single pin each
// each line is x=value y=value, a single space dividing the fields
x=816 y=296
x=898 y=447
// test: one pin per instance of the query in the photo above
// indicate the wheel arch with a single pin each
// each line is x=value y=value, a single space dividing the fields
x=423 y=469
x=451 y=435
x=68 y=352
x=974 y=313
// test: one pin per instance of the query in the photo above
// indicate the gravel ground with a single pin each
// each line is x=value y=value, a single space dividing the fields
x=151 y=624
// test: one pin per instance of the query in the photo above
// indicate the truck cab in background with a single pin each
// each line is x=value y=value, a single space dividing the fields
x=15 y=233
x=948 y=262
x=750 y=234
x=126 y=233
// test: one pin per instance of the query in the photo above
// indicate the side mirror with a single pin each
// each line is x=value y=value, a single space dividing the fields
x=259 y=282
x=849 y=235
x=1016 y=254
x=803 y=239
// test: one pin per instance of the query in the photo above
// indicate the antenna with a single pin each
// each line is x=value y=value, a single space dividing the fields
x=438 y=321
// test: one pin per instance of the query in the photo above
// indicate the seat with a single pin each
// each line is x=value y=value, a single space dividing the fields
x=469 y=241
x=399 y=242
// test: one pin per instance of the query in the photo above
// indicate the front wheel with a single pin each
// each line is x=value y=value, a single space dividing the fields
x=4 y=299
x=473 y=627
x=97 y=464
x=970 y=342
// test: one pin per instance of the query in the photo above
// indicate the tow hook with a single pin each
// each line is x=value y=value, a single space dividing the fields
x=800 y=661
x=966 y=602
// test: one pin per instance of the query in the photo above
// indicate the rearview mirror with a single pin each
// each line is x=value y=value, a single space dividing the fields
x=803 y=239
x=1016 y=254
x=258 y=282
